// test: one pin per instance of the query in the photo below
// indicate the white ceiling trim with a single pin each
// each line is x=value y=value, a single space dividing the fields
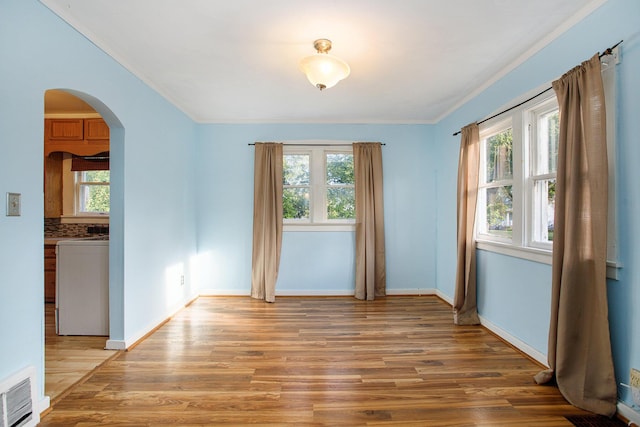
x=85 y=32
x=59 y=8
x=583 y=13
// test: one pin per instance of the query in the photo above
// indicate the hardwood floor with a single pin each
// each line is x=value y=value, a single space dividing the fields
x=315 y=362
x=68 y=359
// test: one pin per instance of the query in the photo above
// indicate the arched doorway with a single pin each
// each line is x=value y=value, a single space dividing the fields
x=80 y=123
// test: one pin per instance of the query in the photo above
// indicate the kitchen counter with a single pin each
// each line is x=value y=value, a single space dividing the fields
x=55 y=240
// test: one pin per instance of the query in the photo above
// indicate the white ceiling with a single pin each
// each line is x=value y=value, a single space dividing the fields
x=412 y=61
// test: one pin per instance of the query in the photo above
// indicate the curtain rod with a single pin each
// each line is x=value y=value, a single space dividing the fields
x=317 y=145
x=606 y=52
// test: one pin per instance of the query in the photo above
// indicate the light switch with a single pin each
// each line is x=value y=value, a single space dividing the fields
x=13 y=204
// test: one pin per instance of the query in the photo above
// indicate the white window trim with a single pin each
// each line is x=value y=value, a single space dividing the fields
x=491 y=128
x=317 y=147
x=530 y=117
x=69 y=215
x=519 y=247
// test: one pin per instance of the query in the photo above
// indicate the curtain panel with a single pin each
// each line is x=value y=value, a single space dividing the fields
x=579 y=342
x=370 y=246
x=465 y=310
x=267 y=220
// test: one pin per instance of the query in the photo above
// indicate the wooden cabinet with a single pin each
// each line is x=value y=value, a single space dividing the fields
x=49 y=273
x=83 y=137
x=96 y=129
x=64 y=129
x=53 y=185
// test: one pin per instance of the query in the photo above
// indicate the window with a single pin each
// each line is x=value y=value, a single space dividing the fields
x=541 y=187
x=85 y=194
x=516 y=195
x=92 y=192
x=496 y=183
x=318 y=186
x=517 y=181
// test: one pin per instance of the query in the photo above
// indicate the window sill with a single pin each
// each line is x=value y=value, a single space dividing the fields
x=86 y=219
x=532 y=254
x=537 y=255
x=318 y=227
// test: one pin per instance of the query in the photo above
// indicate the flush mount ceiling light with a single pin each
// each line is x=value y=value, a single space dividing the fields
x=324 y=70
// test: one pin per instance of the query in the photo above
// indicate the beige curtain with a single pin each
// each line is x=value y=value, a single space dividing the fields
x=267 y=220
x=465 y=311
x=370 y=255
x=579 y=343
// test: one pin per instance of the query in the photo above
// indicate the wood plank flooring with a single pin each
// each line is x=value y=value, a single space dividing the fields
x=396 y=361
x=68 y=358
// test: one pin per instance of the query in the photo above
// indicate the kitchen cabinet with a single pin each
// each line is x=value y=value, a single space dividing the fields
x=82 y=137
x=96 y=130
x=53 y=185
x=50 y=273
x=64 y=129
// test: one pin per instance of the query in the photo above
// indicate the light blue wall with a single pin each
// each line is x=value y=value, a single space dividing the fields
x=514 y=294
x=153 y=222
x=315 y=262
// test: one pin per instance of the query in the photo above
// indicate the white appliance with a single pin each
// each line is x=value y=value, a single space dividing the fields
x=82 y=287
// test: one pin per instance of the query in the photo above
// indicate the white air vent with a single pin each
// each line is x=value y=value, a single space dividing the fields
x=17 y=400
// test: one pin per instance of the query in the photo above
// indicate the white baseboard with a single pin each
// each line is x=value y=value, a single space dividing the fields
x=43 y=404
x=629 y=413
x=517 y=343
x=444 y=297
x=115 y=345
x=520 y=345
x=128 y=342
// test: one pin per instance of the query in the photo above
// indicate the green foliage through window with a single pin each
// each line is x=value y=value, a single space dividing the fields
x=296 y=189
x=500 y=156
x=94 y=192
x=318 y=186
x=341 y=202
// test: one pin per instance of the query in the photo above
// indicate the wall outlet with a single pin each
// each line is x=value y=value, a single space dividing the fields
x=634 y=382
x=182 y=280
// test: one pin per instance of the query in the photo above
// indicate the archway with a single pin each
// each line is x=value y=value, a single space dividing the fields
x=116 y=205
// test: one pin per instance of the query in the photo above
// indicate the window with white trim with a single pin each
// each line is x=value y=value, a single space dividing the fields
x=518 y=166
x=516 y=196
x=85 y=194
x=318 y=185
x=92 y=192
x=540 y=190
x=495 y=193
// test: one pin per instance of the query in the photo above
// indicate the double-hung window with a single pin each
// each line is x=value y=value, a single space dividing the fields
x=540 y=188
x=318 y=187
x=517 y=180
x=495 y=216
x=518 y=164
x=85 y=193
x=92 y=192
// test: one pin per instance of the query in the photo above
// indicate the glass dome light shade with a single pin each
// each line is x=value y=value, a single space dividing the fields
x=324 y=70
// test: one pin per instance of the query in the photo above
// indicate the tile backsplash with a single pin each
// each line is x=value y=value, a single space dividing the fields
x=54 y=228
